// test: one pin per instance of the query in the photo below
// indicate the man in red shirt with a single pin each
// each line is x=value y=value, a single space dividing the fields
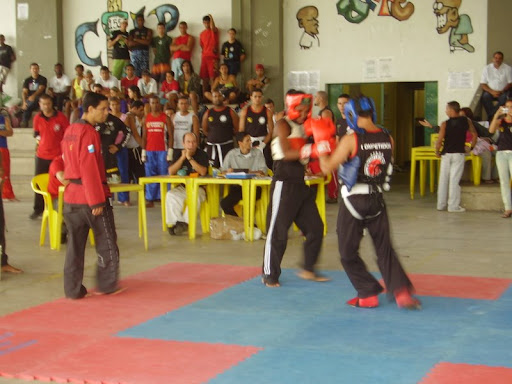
x=49 y=127
x=209 y=42
x=157 y=125
x=181 y=48
x=129 y=80
x=87 y=202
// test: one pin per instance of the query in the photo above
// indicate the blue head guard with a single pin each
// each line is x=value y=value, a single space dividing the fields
x=360 y=104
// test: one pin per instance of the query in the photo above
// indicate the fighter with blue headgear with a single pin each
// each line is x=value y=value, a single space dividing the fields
x=366 y=156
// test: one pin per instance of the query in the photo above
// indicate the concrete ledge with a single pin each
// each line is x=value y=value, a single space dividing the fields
x=484 y=197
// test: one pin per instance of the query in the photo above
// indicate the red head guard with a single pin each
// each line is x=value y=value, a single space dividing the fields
x=292 y=101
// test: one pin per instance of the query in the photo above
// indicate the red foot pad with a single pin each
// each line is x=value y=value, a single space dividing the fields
x=448 y=373
x=141 y=361
x=461 y=287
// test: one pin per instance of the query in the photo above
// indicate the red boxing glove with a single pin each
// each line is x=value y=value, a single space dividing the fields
x=308 y=129
x=324 y=134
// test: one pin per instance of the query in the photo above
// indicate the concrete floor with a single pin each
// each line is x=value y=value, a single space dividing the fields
x=468 y=244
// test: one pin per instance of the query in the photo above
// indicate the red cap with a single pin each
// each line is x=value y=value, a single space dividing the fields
x=260 y=66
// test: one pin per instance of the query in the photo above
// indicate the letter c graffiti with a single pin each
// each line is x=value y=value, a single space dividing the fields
x=80 y=32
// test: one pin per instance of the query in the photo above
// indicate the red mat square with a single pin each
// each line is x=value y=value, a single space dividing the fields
x=449 y=373
x=140 y=361
x=461 y=287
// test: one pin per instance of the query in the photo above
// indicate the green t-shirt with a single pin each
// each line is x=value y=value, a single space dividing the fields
x=162 y=51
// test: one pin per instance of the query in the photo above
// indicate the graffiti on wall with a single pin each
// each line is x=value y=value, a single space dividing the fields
x=459 y=26
x=111 y=21
x=356 y=11
x=307 y=17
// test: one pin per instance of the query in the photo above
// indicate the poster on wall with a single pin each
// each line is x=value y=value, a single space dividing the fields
x=460 y=80
x=378 y=69
x=23 y=11
x=307 y=81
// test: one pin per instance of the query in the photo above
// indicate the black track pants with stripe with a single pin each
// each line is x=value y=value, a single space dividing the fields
x=79 y=219
x=350 y=233
x=291 y=202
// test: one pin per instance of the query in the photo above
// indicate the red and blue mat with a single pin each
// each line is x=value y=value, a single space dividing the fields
x=200 y=323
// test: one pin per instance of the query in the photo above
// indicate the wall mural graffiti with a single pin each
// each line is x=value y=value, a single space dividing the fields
x=111 y=21
x=449 y=19
x=307 y=18
x=356 y=11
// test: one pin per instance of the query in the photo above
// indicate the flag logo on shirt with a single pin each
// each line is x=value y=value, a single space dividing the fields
x=90 y=148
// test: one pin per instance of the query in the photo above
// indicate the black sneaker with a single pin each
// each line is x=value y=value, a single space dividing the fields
x=35 y=215
x=171 y=231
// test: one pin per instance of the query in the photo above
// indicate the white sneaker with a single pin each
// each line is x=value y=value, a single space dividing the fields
x=457 y=210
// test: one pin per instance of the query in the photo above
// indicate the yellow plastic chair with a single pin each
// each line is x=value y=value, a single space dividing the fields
x=39 y=185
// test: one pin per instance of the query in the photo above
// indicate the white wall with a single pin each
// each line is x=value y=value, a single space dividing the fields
x=8 y=29
x=76 y=12
x=417 y=51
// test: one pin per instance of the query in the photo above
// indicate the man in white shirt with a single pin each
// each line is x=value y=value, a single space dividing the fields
x=496 y=82
x=147 y=85
x=59 y=87
x=106 y=81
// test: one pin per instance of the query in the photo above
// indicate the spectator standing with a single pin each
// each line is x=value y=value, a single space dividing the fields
x=219 y=124
x=134 y=122
x=139 y=42
x=33 y=87
x=161 y=45
x=181 y=48
x=496 y=82
x=453 y=133
x=118 y=42
x=209 y=42
x=184 y=121
x=7 y=57
x=502 y=121
x=233 y=53
x=5 y=132
x=49 y=128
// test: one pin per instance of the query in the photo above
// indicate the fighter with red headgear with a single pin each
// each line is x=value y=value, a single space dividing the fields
x=291 y=200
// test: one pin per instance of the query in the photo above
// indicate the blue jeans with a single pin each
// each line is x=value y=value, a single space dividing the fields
x=156 y=165
x=487 y=102
x=122 y=164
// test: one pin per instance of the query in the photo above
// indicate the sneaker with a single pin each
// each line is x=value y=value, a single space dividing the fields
x=457 y=210
x=367 y=302
x=171 y=231
x=35 y=215
x=312 y=276
x=150 y=204
x=405 y=300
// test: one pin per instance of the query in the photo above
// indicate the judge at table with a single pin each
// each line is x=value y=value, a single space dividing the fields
x=192 y=160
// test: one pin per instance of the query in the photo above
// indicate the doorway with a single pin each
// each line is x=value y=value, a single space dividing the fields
x=400 y=107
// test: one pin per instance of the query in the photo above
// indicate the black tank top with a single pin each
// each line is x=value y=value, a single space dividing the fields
x=374 y=151
x=220 y=126
x=327 y=109
x=455 y=136
x=505 y=139
x=256 y=122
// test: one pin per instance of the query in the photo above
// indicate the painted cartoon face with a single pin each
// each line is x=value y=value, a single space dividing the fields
x=447 y=13
x=308 y=19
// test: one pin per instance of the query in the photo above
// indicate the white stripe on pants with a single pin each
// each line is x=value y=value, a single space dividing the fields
x=448 y=191
x=175 y=202
x=504 y=164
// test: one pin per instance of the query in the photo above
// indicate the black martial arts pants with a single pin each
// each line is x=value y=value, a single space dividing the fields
x=42 y=166
x=233 y=197
x=350 y=232
x=291 y=202
x=79 y=219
